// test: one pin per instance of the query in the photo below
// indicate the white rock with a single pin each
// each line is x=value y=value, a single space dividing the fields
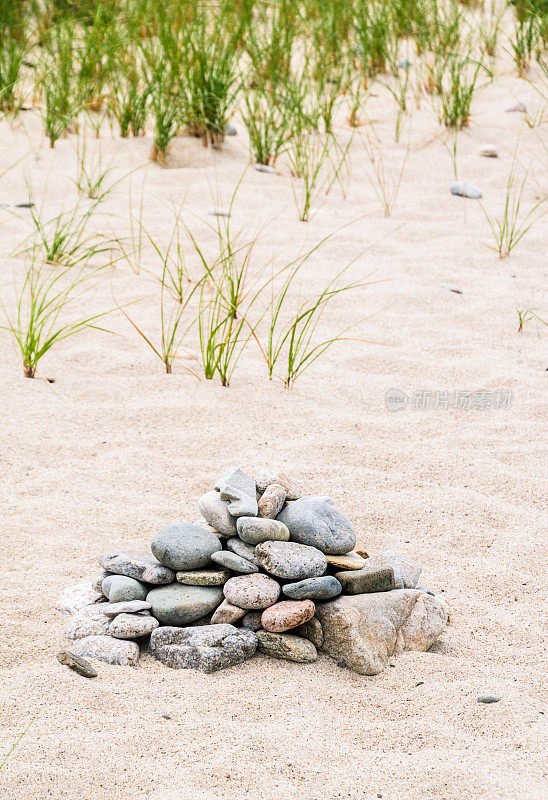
x=488 y=151
x=76 y=597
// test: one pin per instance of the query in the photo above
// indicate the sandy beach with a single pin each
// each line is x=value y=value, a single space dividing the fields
x=115 y=448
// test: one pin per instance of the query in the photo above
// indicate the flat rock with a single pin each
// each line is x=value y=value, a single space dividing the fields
x=316 y=522
x=131 y=626
x=120 y=588
x=215 y=512
x=346 y=561
x=86 y=622
x=252 y=620
x=227 y=613
x=488 y=151
x=368 y=579
x=324 y=588
x=286 y=646
x=287 y=614
x=207 y=648
x=311 y=630
x=266 y=478
x=254 y=531
x=203 y=577
x=234 y=562
x=105 y=648
x=464 y=189
x=488 y=698
x=76 y=597
x=252 y=591
x=181 y=605
x=135 y=566
x=265 y=168
x=183 y=546
x=247 y=551
x=364 y=631
x=127 y=607
x=97 y=583
x=290 y=560
x=238 y=489
x=77 y=664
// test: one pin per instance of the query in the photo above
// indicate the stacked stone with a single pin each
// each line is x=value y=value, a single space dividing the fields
x=266 y=569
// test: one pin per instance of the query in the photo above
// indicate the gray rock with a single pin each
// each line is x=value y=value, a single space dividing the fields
x=180 y=605
x=464 y=189
x=127 y=607
x=216 y=513
x=105 y=648
x=76 y=597
x=247 y=551
x=364 y=631
x=79 y=665
x=311 y=630
x=323 y=588
x=252 y=620
x=404 y=63
x=207 y=648
x=272 y=501
x=120 y=588
x=265 y=479
x=252 y=591
x=135 y=566
x=87 y=622
x=238 y=489
x=227 y=613
x=253 y=530
x=286 y=646
x=265 y=168
x=290 y=560
x=230 y=130
x=131 y=626
x=370 y=578
x=219 y=212
x=203 y=577
x=234 y=562
x=315 y=521
x=183 y=546
x=488 y=151
x=488 y=698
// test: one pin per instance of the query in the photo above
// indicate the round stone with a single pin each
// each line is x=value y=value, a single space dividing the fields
x=120 y=589
x=183 y=546
x=324 y=588
x=286 y=615
x=180 y=605
x=131 y=626
x=316 y=522
x=254 y=530
x=203 y=577
x=252 y=591
x=290 y=560
x=234 y=562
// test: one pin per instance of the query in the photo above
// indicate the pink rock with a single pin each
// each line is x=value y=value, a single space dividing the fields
x=252 y=591
x=272 y=501
x=287 y=614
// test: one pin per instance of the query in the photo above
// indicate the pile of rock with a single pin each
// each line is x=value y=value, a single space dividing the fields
x=265 y=569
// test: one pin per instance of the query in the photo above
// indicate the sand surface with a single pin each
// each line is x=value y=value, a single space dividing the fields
x=115 y=448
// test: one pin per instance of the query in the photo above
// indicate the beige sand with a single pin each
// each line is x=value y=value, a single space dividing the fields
x=115 y=448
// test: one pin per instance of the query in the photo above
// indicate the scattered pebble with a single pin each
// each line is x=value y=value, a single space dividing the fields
x=463 y=189
x=519 y=108
x=450 y=287
x=219 y=212
x=76 y=663
x=489 y=151
x=488 y=698
x=265 y=168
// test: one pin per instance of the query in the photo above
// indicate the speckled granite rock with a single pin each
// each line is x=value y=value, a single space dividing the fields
x=286 y=646
x=207 y=648
x=105 y=648
x=315 y=521
x=135 y=566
